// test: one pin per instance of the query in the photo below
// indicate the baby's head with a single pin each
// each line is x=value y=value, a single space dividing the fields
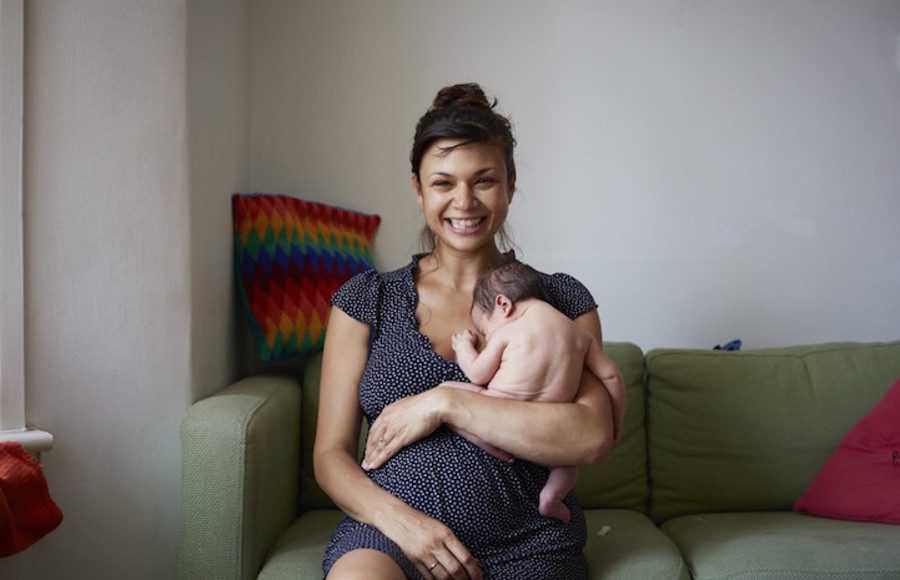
x=504 y=286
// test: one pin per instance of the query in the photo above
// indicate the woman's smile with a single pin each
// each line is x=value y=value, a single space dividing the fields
x=465 y=225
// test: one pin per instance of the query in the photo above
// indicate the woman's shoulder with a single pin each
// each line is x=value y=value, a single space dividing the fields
x=567 y=294
x=363 y=291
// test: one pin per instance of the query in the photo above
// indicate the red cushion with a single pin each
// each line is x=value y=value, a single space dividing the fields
x=861 y=480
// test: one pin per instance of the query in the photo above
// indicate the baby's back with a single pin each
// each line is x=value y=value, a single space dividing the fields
x=544 y=356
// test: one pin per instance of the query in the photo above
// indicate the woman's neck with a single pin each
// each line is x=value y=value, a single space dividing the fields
x=458 y=270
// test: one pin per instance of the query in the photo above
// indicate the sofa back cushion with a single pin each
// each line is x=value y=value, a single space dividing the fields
x=621 y=481
x=311 y=495
x=748 y=430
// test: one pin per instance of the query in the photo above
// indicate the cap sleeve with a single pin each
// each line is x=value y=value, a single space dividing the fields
x=568 y=295
x=358 y=297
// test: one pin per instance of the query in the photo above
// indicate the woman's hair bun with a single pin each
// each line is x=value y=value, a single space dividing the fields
x=462 y=95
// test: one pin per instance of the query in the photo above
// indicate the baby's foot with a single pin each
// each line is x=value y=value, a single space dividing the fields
x=555 y=509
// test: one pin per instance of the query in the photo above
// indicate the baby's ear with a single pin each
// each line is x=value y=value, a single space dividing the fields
x=505 y=305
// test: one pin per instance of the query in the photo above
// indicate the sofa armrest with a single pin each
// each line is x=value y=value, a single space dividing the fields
x=240 y=451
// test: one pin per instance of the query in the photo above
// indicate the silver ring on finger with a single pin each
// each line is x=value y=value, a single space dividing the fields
x=433 y=566
x=382 y=441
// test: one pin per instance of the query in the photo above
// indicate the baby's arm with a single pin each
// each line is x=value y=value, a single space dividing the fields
x=480 y=368
x=606 y=370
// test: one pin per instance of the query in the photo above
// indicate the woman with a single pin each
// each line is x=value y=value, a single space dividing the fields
x=429 y=503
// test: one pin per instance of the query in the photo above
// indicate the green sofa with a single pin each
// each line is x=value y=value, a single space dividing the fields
x=717 y=446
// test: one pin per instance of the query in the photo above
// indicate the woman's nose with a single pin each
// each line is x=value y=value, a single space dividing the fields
x=464 y=197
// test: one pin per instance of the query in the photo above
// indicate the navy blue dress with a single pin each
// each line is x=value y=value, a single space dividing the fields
x=490 y=505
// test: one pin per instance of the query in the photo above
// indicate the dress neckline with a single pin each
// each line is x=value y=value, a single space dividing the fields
x=413 y=295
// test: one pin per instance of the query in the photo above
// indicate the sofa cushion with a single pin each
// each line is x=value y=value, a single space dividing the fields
x=311 y=495
x=861 y=480
x=632 y=547
x=299 y=551
x=290 y=256
x=621 y=480
x=748 y=430
x=626 y=544
x=785 y=545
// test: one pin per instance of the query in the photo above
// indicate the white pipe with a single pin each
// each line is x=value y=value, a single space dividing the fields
x=33 y=440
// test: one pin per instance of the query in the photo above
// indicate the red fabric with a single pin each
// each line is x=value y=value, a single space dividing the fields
x=27 y=513
x=861 y=480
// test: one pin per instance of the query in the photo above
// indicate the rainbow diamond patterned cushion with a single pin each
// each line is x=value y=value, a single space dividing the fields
x=290 y=257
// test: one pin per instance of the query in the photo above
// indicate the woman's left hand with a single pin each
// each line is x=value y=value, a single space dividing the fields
x=401 y=423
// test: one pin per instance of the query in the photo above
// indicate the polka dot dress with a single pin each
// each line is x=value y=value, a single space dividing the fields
x=491 y=506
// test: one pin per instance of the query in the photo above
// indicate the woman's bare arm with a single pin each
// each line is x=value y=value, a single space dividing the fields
x=340 y=418
x=577 y=433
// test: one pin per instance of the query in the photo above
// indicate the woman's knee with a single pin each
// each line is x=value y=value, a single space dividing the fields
x=366 y=565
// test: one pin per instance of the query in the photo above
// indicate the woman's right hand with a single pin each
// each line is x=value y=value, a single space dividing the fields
x=401 y=423
x=430 y=545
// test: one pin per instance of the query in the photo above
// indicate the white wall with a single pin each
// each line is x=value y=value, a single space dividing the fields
x=107 y=283
x=218 y=83
x=710 y=170
x=136 y=133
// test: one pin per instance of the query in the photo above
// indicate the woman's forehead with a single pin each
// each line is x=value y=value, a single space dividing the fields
x=447 y=154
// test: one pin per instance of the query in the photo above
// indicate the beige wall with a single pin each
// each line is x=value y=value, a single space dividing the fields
x=136 y=131
x=218 y=85
x=711 y=170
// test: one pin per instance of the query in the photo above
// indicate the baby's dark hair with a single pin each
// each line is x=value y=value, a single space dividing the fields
x=463 y=112
x=515 y=280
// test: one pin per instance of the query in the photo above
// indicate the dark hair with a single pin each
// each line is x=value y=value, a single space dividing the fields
x=515 y=280
x=463 y=112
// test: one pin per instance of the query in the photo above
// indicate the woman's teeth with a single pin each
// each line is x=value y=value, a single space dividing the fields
x=464 y=224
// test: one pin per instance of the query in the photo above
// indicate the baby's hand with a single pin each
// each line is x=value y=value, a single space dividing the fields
x=458 y=339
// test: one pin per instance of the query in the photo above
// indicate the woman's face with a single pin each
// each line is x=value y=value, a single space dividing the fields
x=464 y=194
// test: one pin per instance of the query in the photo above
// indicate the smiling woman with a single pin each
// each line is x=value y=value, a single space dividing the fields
x=426 y=502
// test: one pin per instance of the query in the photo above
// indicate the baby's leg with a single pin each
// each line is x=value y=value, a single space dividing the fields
x=560 y=482
x=498 y=453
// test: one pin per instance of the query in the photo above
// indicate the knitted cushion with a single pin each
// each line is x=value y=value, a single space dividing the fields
x=861 y=479
x=290 y=256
